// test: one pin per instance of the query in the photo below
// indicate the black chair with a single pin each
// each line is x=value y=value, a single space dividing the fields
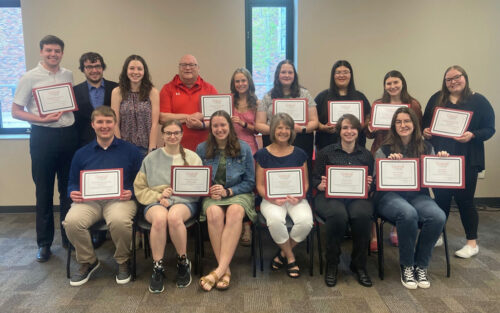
x=262 y=225
x=97 y=227
x=144 y=226
x=380 y=243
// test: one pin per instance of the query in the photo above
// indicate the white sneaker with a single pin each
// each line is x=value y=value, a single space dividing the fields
x=439 y=242
x=467 y=251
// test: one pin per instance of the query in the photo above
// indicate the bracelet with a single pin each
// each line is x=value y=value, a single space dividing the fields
x=245 y=125
x=228 y=193
x=203 y=122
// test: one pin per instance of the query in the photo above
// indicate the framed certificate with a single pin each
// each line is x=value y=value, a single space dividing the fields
x=346 y=182
x=55 y=98
x=282 y=182
x=296 y=108
x=191 y=180
x=338 y=108
x=398 y=175
x=382 y=114
x=443 y=172
x=450 y=122
x=101 y=184
x=212 y=103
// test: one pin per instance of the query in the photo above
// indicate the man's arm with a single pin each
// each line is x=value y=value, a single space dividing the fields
x=19 y=113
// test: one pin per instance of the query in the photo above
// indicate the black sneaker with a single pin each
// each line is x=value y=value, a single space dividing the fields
x=83 y=275
x=156 y=282
x=183 y=278
x=123 y=275
x=408 y=277
x=421 y=276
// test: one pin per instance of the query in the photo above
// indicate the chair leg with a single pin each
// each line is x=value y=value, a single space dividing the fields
x=320 y=252
x=134 y=256
x=68 y=261
x=260 y=249
x=445 y=239
x=196 y=248
x=380 y=243
x=311 y=254
x=254 y=259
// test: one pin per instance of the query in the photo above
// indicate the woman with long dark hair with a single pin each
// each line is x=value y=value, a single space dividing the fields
x=231 y=194
x=455 y=93
x=408 y=209
x=137 y=105
x=341 y=88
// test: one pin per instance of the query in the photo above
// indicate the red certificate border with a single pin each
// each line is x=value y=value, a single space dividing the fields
x=398 y=189
x=187 y=167
x=423 y=184
x=436 y=109
x=101 y=170
x=361 y=120
x=37 y=101
x=327 y=193
x=217 y=95
x=373 y=111
x=306 y=107
x=285 y=168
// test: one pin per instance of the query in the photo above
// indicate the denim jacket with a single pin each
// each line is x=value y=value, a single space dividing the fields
x=240 y=171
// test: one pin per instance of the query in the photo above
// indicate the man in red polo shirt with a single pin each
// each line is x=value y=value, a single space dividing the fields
x=180 y=99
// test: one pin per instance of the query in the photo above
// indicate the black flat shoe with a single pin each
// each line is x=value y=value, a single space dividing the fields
x=331 y=275
x=43 y=254
x=362 y=276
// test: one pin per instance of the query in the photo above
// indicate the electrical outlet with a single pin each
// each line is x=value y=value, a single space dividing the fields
x=481 y=174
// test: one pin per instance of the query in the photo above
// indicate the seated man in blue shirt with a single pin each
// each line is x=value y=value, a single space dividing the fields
x=105 y=152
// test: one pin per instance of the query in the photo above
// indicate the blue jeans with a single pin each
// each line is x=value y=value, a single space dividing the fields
x=408 y=214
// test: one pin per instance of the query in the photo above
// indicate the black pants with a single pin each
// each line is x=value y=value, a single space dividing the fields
x=51 y=151
x=465 y=201
x=337 y=213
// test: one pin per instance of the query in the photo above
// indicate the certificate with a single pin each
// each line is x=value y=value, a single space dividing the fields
x=397 y=175
x=101 y=184
x=445 y=172
x=382 y=114
x=55 y=98
x=346 y=182
x=338 y=108
x=191 y=180
x=213 y=103
x=450 y=122
x=282 y=182
x=296 y=108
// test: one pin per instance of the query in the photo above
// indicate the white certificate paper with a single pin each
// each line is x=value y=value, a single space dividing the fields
x=346 y=182
x=338 y=108
x=191 y=180
x=450 y=122
x=296 y=108
x=398 y=175
x=101 y=184
x=445 y=172
x=382 y=114
x=284 y=182
x=55 y=98
x=213 y=103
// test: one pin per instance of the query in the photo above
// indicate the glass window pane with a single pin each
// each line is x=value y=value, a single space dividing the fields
x=12 y=62
x=268 y=45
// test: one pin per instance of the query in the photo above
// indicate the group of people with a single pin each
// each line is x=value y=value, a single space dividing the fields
x=117 y=124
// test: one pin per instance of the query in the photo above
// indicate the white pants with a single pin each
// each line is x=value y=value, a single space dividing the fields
x=275 y=215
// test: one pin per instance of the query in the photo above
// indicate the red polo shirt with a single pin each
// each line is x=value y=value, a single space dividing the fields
x=175 y=97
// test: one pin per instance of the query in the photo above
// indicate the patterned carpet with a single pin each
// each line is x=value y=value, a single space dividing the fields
x=28 y=286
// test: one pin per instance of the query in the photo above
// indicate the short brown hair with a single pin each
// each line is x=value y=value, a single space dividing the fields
x=352 y=119
x=287 y=121
x=103 y=110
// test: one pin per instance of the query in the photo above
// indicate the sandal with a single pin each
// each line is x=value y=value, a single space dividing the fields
x=225 y=280
x=205 y=281
x=275 y=265
x=291 y=272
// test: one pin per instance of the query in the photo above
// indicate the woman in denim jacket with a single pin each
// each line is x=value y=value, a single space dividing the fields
x=231 y=196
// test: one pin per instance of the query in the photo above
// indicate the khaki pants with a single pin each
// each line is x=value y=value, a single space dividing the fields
x=118 y=216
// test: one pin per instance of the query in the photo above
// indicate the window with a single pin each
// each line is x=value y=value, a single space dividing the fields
x=12 y=63
x=269 y=39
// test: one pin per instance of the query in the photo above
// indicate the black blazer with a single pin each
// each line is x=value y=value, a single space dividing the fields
x=82 y=117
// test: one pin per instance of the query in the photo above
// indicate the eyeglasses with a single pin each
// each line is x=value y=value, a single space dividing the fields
x=92 y=67
x=186 y=65
x=454 y=78
x=338 y=73
x=401 y=122
x=176 y=133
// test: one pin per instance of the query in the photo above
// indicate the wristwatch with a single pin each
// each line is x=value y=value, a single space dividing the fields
x=304 y=129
